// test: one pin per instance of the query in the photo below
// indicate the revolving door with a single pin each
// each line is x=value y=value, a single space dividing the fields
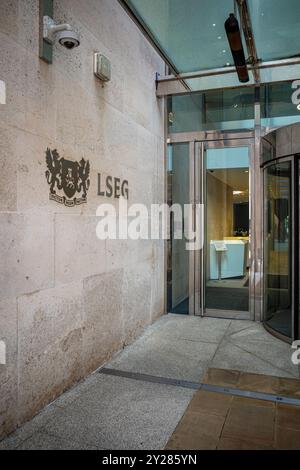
x=280 y=163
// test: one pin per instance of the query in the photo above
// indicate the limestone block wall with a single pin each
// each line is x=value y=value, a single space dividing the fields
x=68 y=300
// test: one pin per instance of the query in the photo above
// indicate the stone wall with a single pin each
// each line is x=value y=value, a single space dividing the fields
x=68 y=300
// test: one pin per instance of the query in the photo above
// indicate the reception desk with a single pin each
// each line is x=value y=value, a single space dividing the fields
x=227 y=258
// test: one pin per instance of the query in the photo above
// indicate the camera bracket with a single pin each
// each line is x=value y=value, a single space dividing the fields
x=50 y=29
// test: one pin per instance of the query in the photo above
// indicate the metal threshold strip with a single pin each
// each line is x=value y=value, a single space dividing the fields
x=201 y=386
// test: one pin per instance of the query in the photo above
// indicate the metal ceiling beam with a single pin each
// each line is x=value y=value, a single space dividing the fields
x=170 y=85
x=231 y=69
x=249 y=37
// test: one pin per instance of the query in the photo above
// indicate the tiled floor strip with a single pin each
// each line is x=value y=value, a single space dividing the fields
x=202 y=386
x=238 y=420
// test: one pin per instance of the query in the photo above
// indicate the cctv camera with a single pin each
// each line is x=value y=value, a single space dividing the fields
x=63 y=33
x=68 y=39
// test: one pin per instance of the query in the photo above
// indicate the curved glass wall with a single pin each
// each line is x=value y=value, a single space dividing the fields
x=280 y=160
x=278 y=247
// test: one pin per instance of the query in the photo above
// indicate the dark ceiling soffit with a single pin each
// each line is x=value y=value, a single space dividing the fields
x=131 y=11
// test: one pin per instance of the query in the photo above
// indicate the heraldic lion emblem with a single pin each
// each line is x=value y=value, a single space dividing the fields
x=69 y=181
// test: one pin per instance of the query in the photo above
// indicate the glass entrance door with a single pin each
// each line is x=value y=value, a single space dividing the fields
x=214 y=280
x=226 y=270
x=225 y=258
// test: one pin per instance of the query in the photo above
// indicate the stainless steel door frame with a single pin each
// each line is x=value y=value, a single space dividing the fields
x=199 y=257
x=198 y=254
x=197 y=144
x=192 y=261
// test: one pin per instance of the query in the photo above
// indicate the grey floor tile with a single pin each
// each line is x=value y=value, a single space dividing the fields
x=277 y=353
x=44 y=441
x=248 y=331
x=167 y=357
x=257 y=341
x=38 y=423
x=194 y=329
x=75 y=392
x=120 y=413
x=231 y=356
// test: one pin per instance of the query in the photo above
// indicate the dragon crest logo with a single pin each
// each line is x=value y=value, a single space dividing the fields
x=67 y=177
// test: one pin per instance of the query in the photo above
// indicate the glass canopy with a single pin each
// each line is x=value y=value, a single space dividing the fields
x=191 y=35
x=190 y=32
x=276 y=27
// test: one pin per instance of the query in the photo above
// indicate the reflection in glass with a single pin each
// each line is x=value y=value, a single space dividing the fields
x=277 y=247
x=227 y=229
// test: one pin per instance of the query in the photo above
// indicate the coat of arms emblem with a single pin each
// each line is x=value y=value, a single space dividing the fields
x=70 y=179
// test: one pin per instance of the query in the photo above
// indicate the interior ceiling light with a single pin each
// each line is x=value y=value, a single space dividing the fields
x=235 y=42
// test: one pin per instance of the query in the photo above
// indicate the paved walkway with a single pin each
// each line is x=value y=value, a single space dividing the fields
x=244 y=416
x=111 y=412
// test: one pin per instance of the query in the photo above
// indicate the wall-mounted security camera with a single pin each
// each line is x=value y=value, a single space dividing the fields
x=63 y=33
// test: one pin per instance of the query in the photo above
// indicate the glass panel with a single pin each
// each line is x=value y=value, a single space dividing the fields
x=178 y=256
x=233 y=109
x=227 y=229
x=190 y=32
x=277 y=247
x=276 y=28
x=276 y=105
x=222 y=110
